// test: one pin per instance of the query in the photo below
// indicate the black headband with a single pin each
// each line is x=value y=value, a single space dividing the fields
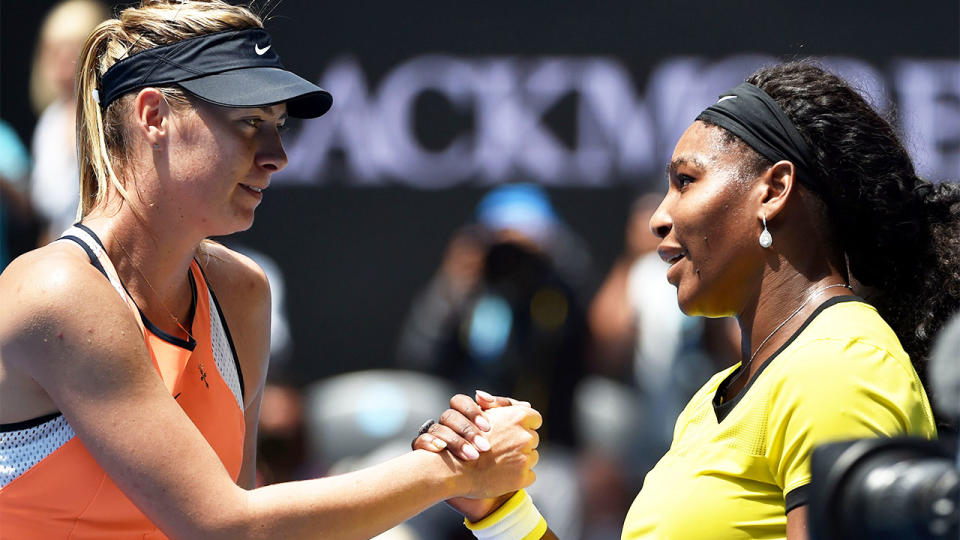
x=236 y=68
x=753 y=116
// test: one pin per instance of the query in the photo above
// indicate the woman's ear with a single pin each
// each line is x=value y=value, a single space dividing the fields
x=151 y=115
x=776 y=186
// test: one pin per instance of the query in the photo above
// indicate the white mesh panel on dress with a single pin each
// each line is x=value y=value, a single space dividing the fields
x=223 y=354
x=24 y=448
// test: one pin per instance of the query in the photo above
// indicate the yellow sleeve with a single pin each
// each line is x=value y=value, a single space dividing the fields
x=833 y=390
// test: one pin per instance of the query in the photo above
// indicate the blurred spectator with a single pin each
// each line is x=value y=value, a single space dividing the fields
x=281 y=437
x=19 y=226
x=650 y=358
x=613 y=313
x=640 y=334
x=501 y=313
x=14 y=161
x=54 y=184
x=523 y=214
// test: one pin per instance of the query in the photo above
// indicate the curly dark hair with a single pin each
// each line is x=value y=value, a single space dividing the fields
x=900 y=233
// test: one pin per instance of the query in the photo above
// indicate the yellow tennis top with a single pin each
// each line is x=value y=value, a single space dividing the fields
x=734 y=469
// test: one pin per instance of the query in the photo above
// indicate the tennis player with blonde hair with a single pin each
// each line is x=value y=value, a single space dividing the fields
x=133 y=352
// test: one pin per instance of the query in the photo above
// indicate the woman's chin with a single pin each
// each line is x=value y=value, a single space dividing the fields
x=685 y=303
x=694 y=305
x=227 y=228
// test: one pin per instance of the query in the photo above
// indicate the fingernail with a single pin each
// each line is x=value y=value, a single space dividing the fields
x=484 y=395
x=439 y=444
x=525 y=403
x=482 y=423
x=482 y=443
x=470 y=452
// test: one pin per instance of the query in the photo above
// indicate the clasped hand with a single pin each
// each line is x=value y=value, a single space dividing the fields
x=494 y=440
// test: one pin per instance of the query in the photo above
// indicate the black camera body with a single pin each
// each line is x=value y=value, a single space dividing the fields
x=885 y=489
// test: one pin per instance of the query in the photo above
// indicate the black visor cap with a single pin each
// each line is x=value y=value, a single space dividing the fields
x=257 y=87
x=236 y=68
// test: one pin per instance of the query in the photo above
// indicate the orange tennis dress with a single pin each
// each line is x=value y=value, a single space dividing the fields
x=50 y=485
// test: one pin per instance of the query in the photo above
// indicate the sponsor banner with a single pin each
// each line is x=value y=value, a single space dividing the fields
x=438 y=120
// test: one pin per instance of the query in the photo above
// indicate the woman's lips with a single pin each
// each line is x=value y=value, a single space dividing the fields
x=253 y=191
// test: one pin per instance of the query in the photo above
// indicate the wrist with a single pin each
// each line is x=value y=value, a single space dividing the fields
x=448 y=479
x=484 y=507
x=517 y=519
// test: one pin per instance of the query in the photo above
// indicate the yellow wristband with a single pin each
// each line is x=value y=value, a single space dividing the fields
x=517 y=519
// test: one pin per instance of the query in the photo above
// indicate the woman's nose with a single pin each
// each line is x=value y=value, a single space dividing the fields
x=272 y=156
x=660 y=222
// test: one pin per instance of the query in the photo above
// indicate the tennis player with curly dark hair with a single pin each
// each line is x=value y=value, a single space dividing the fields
x=792 y=206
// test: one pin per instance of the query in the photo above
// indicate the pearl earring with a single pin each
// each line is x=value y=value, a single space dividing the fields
x=766 y=239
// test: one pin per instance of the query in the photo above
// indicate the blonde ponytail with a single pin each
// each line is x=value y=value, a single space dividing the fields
x=101 y=134
x=93 y=155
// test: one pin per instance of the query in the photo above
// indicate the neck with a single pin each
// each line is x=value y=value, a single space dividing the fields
x=152 y=258
x=785 y=299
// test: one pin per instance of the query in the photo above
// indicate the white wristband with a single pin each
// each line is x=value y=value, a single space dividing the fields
x=517 y=519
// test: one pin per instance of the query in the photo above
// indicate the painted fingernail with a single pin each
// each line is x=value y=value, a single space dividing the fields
x=484 y=395
x=482 y=423
x=482 y=443
x=470 y=452
x=439 y=444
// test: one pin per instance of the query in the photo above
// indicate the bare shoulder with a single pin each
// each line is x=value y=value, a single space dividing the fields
x=51 y=260
x=55 y=283
x=232 y=274
x=243 y=291
x=60 y=315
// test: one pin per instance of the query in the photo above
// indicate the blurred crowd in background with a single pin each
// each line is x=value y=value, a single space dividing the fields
x=39 y=188
x=510 y=310
x=513 y=309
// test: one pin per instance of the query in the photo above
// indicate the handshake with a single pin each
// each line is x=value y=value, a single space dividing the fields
x=492 y=441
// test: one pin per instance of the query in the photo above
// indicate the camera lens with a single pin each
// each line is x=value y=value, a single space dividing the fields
x=885 y=489
x=896 y=495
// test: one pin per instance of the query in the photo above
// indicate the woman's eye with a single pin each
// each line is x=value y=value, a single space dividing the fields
x=683 y=180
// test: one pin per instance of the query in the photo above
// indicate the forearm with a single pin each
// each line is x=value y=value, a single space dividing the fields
x=360 y=504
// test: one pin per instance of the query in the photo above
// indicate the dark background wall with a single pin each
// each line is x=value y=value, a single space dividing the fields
x=354 y=246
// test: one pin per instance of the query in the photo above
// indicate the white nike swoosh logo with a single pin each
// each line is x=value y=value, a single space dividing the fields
x=260 y=51
x=724 y=98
